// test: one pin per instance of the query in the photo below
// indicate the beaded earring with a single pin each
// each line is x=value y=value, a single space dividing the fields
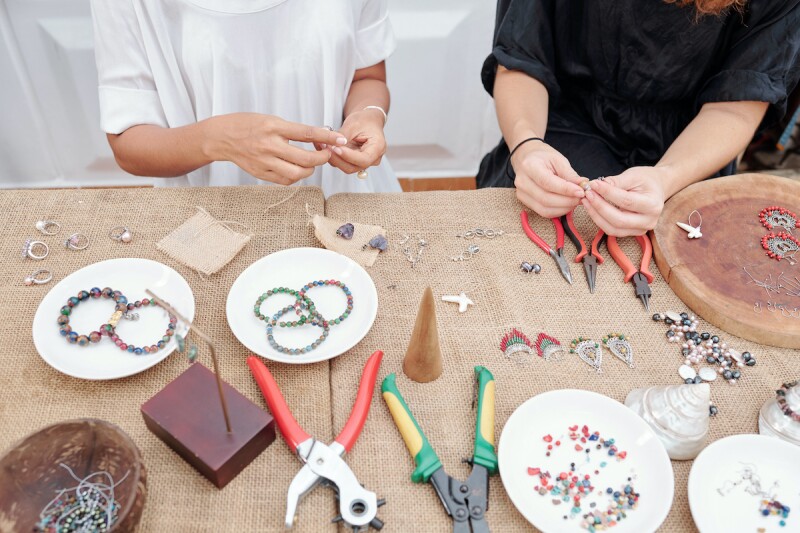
x=191 y=354
x=589 y=351
x=618 y=345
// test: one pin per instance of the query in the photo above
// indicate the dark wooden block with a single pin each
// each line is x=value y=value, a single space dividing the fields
x=187 y=416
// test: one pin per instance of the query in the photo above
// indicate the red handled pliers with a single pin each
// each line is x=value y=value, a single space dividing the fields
x=589 y=256
x=558 y=253
x=640 y=277
x=358 y=507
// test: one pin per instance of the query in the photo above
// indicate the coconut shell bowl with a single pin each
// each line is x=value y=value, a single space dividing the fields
x=32 y=475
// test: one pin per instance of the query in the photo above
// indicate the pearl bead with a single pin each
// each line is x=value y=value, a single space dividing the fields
x=28 y=280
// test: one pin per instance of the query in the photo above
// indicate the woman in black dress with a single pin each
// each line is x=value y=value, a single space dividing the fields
x=652 y=94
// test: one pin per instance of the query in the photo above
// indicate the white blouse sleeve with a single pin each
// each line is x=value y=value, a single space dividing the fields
x=128 y=95
x=374 y=38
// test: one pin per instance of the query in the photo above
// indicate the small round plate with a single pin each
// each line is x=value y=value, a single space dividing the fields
x=104 y=360
x=723 y=463
x=522 y=446
x=293 y=268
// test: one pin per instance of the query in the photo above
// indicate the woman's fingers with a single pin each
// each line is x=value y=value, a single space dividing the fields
x=541 y=208
x=287 y=173
x=629 y=201
x=544 y=197
x=565 y=170
x=310 y=134
x=549 y=181
x=301 y=157
x=619 y=223
x=346 y=167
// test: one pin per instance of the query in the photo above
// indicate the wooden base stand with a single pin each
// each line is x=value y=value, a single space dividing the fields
x=188 y=417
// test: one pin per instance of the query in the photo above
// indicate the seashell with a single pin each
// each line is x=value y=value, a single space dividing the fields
x=687 y=372
x=707 y=374
x=672 y=315
x=773 y=422
x=678 y=414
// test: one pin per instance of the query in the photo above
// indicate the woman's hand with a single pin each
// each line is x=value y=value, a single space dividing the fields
x=259 y=145
x=629 y=203
x=366 y=146
x=545 y=180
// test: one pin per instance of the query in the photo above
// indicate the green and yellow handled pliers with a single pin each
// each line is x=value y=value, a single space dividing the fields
x=465 y=502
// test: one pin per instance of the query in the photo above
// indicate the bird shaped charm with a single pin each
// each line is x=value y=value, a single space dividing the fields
x=462 y=301
x=693 y=233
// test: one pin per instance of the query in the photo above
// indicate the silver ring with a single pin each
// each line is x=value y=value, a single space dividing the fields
x=28 y=250
x=77 y=241
x=48 y=227
x=362 y=174
x=121 y=234
x=34 y=278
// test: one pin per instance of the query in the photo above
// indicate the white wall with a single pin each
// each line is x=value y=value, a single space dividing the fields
x=441 y=123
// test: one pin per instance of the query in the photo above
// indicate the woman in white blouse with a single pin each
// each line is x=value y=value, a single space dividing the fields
x=230 y=92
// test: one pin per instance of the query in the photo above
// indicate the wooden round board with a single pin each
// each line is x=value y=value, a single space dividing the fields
x=715 y=275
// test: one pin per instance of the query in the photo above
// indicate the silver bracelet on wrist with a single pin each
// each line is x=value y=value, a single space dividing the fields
x=385 y=116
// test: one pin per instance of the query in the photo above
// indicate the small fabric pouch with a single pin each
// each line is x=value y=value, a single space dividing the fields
x=204 y=243
x=325 y=231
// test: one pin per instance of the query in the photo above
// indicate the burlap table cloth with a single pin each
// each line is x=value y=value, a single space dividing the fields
x=504 y=298
x=33 y=395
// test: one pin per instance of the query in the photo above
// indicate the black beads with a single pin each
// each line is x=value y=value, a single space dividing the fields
x=656 y=318
x=715 y=339
x=736 y=374
x=750 y=362
x=727 y=374
x=712 y=410
x=685 y=316
x=705 y=336
x=688 y=381
x=668 y=321
x=711 y=359
x=670 y=334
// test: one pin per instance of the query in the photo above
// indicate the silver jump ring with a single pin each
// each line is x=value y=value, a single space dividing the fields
x=48 y=227
x=28 y=250
x=121 y=234
x=35 y=279
x=77 y=241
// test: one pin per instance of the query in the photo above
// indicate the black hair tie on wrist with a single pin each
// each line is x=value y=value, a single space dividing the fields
x=508 y=161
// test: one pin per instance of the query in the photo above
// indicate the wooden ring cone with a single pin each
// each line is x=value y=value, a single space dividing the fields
x=423 y=361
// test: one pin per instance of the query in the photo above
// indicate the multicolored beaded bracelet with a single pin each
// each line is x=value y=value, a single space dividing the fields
x=316 y=320
x=783 y=404
x=108 y=329
x=333 y=283
x=66 y=311
x=298 y=299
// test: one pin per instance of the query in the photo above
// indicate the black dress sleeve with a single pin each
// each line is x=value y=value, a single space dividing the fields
x=763 y=57
x=523 y=41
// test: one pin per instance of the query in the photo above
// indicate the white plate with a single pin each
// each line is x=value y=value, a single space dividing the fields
x=104 y=360
x=293 y=268
x=722 y=463
x=522 y=446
